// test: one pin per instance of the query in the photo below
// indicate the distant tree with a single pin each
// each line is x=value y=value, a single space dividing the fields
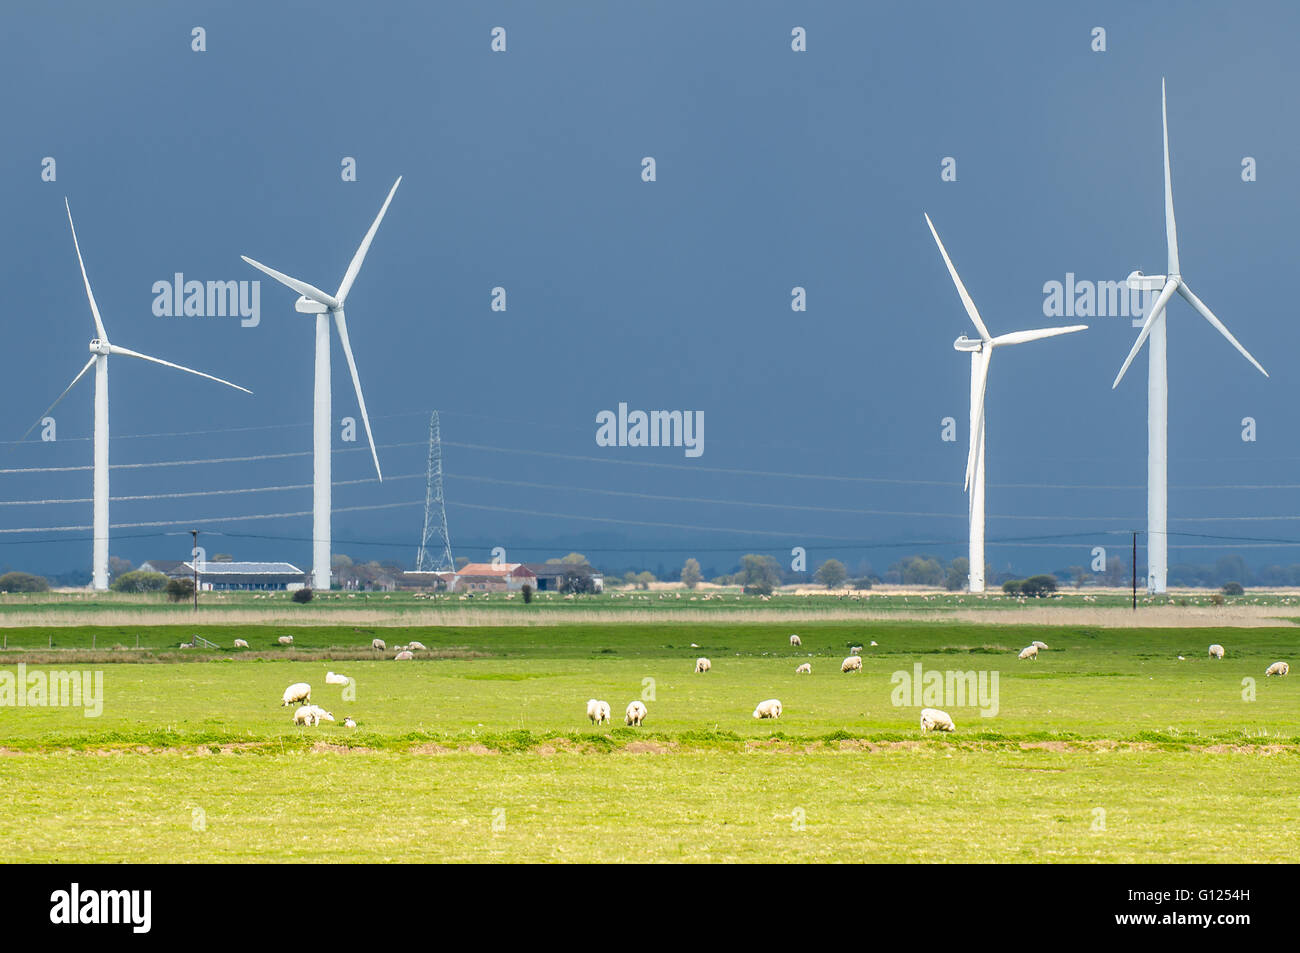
x=118 y=567
x=831 y=574
x=1233 y=589
x=527 y=590
x=1232 y=567
x=1039 y=586
x=180 y=590
x=919 y=571
x=691 y=573
x=1079 y=575
x=340 y=561
x=862 y=582
x=578 y=582
x=462 y=562
x=1013 y=587
x=958 y=574
x=23 y=582
x=302 y=595
x=137 y=580
x=759 y=574
x=573 y=559
x=643 y=579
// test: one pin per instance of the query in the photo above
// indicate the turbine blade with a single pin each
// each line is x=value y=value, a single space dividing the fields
x=304 y=289
x=341 y=323
x=1157 y=310
x=977 y=415
x=1208 y=315
x=1171 y=230
x=1020 y=337
x=961 y=288
x=355 y=266
x=125 y=352
x=80 y=374
x=94 y=308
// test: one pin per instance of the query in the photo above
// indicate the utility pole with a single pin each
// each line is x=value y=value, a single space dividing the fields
x=195 y=564
x=1135 y=571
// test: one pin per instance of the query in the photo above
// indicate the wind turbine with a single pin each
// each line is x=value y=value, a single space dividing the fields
x=317 y=302
x=1154 y=327
x=100 y=349
x=981 y=353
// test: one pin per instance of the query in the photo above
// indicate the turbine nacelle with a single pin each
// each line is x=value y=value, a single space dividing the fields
x=100 y=347
x=1140 y=282
x=968 y=345
x=305 y=305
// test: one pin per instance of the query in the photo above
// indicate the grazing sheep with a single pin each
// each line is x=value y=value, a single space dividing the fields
x=1216 y=650
x=379 y=645
x=768 y=709
x=874 y=643
x=1278 y=668
x=403 y=657
x=285 y=640
x=702 y=665
x=851 y=664
x=855 y=650
x=417 y=647
x=321 y=714
x=635 y=714
x=1039 y=645
x=332 y=679
x=348 y=722
x=804 y=669
x=796 y=641
x=297 y=693
x=932 y=719
x=240 y=644
x=1029 y=651
x=306 y=715
x=598 y=711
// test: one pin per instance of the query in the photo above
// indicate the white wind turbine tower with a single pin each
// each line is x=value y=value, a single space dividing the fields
x=317 y=302
x=1154 y=327
x=981 y=352
x=100 y=349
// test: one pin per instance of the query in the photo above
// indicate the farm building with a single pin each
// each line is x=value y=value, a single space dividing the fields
x=550 y=576
x=225 y=576
x=490 y=577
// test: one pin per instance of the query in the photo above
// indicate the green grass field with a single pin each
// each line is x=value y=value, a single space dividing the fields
x=1108 y=748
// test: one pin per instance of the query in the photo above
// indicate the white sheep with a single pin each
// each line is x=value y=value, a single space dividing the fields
x=297 y=693
x=321 y=714
x=635 y=714
x=416 y=647
x=348 y=722
x=702 y=665
x=240 y=644
x=768 y=709
x=796 y=641
x=379 y=645
x=306 y=715
x=1029 y=651
x=285 y=640
x=403 y=657
x=855 y=650
x=932 y=719
x=598 y=711
x=332 y=679
x=1216 y=651
x=1278 y=668
x=804 y=669
x=1041 y=646
x=851 y=664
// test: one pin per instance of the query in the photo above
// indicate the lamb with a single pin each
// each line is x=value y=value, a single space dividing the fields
x=403 y=657
x=1029 y=651
x=285 y=640
x=598 y=711
x=1278 y=668
x=1216 y=651
x=417 y=647
x=796 y=641
x=297 y=693
x=932 y=719
x=635 y=714
x=851 y=664
x=305 y=716
x=855 y=650
x=702 y=665
x=240 y=644
x=1039 y=645
x=768 y=709
x=321 y=714
x=378 y=645
x=332 y=679
x=348 y=722
x=804 y=669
